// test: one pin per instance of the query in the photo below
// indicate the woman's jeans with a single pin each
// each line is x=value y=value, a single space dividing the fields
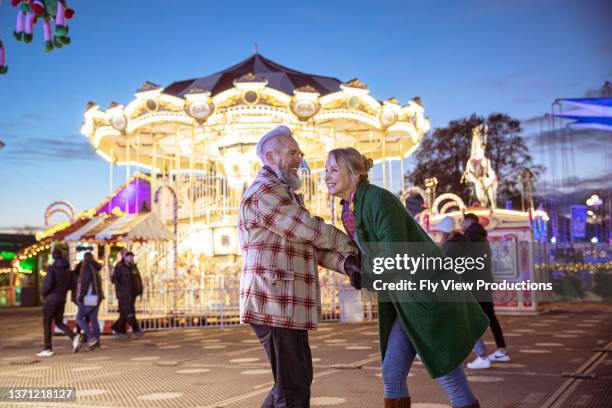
x=90 y=312
x=398 y=359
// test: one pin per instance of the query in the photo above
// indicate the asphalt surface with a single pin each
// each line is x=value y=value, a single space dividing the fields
x=212 y=367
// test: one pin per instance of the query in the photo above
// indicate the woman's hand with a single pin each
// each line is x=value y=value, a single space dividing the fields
x=352 y=267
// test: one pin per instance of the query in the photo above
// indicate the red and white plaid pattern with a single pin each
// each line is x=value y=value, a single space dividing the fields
x=281 y=247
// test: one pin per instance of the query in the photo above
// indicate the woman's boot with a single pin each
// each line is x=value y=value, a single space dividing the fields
x=397 y=402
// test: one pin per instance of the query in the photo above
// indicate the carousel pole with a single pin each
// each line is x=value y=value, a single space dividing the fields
x=137 y=208
x=191 y=170
x=154 y=167
x=402 y=168
x=384 y=162
x=127 y=173
x=390 y=175
x=110 y=182
x=175 y=225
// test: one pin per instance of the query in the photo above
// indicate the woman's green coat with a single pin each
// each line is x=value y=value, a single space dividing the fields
x=443 y=333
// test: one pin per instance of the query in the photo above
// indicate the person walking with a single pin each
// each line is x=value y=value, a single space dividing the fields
x=441 y=332
x=282 y=243
x=478 y=246
x=58 y=281
x=89 y=297
x=76 y=274
x=128 y=286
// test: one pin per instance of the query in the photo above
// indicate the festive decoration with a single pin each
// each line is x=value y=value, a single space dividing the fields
x=28 y=13
x=20 y=25
x=3 y=66
x=29 y=27
x=61 y=28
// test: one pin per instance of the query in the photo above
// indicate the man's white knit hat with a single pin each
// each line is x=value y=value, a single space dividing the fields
x=278 y=131
x=446 y=224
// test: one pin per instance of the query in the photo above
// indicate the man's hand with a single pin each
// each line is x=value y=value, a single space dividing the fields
x=352 y=267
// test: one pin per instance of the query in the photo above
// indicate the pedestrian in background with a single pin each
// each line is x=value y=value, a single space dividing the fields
x=128 y=286
x=478 y=246
x=89 y=297
x=58 y=281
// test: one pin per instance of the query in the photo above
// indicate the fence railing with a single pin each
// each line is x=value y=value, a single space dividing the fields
x=210 y=301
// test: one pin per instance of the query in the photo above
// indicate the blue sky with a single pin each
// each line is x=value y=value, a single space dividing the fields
x=461 y=57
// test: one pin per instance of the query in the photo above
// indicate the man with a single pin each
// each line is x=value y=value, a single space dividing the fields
x=128 y=286
x=281 y=247
x=56 y=284
x=478 y=246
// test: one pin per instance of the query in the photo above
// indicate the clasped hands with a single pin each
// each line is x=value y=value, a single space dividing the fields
x=352 y=267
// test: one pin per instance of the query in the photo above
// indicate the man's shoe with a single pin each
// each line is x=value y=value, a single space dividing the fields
x=479 y=364
x=121 y=336
x=397 y=402
x=138 y=334
x=497 y=356
x=45 y=353
x=76 y=343
x=93 y=345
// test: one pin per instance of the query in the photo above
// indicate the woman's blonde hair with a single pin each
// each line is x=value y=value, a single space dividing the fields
x=357 y=164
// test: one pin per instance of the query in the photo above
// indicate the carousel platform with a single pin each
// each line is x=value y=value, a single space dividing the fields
x=560 y=359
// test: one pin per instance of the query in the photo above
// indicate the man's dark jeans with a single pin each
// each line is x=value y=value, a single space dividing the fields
x=289 y=354
x=127 y=314
x=54 y=312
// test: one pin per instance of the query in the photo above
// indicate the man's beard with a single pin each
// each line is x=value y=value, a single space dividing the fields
x=289 y=178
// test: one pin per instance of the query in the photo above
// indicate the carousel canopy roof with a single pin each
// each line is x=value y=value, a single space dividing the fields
x=220 y=118
x=135 y=227
x=279 y=77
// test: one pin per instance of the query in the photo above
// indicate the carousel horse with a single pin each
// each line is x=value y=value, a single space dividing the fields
x=479 y=171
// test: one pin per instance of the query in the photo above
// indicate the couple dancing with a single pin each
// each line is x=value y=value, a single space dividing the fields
x=282 y=244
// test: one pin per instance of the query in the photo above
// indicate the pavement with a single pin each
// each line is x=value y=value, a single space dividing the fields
x=559 y=359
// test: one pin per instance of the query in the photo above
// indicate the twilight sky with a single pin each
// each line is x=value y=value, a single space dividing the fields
x=461 y=57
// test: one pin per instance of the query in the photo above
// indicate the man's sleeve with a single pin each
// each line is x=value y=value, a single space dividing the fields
x=48 y=281
x=115 y=275
x=332 y=259
x=281 y=214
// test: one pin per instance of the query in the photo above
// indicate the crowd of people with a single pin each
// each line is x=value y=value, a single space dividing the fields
x=85 y=284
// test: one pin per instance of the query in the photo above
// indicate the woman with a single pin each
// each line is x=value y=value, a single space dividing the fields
x=89 y=297
x=442 y=333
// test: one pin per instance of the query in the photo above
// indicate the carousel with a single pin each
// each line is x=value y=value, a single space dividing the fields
x=196 y=140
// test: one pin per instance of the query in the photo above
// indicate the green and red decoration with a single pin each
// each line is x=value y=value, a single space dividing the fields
x=3 y=66
x=50 y=12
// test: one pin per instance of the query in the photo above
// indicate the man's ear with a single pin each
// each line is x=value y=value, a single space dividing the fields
x=269 y=157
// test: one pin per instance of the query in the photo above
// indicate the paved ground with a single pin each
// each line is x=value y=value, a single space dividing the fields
x=227 y=368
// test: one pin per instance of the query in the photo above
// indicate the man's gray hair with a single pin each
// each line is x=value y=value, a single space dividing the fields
x=272 y=136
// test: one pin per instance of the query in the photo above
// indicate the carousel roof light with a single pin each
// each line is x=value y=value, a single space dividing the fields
x=416 y=100
x=355 y=87
x=250 y=81
x=148 y=90
x=246 y=100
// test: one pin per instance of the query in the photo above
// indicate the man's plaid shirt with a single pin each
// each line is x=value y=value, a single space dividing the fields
x=281 y=247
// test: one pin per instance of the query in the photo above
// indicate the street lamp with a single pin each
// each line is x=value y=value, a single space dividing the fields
x=598 y=216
